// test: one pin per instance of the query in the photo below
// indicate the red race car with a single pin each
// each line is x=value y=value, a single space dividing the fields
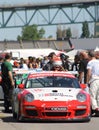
x=49 y=95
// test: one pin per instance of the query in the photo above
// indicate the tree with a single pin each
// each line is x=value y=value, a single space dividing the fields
x=50 y=36
x=59 y=32
x=31 y=33
x=64 y=32
x=85 y=30
x=41 y=33
x=19 y=38
x=68 y=33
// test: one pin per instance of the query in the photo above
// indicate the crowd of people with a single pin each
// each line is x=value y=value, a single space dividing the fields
x=86 y=63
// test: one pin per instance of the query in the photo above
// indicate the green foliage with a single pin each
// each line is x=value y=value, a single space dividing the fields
x=85 y=30
x=19 y=38
x=41 y=33
x=65 y=33
x=68 y=33
x=50 y=36
x=31 y=33
x=59 y=32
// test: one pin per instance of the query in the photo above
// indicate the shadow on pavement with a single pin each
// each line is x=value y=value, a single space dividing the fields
x=1 y=103
x=10 y=119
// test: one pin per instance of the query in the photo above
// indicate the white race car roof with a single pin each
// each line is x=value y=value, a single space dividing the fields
x=24 y=71
x=51 y=73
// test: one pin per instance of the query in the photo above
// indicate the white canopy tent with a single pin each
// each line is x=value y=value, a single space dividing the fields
x=72 y=54
x=96 y=49
x=38 y=53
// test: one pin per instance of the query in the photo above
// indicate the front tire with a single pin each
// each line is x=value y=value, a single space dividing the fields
x=19 y=116
x=14 y=115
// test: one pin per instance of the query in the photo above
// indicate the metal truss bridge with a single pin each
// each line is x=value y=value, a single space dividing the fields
x=49 y=13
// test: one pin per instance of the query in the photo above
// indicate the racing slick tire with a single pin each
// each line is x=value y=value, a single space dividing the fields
x=19 y=117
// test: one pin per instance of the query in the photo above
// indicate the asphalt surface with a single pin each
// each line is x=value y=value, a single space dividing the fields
x=2 y=113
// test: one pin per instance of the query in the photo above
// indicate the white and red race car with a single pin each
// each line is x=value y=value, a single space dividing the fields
x=50 y=95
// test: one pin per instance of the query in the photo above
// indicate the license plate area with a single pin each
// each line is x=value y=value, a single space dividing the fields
x=58 y=108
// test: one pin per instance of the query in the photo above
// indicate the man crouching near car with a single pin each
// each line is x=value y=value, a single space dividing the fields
x=7 y=81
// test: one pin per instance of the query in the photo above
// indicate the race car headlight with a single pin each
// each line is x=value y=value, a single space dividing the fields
x=81 y=97
x=29 y=97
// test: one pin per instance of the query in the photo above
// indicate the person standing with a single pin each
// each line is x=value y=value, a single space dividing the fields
x=75 y=65
x=1 y=60
x=97 y=54
x=57 y=65
x=83 y=66
x=7 y=81
x=93 y=79
x=65 y=62
x=49 y=65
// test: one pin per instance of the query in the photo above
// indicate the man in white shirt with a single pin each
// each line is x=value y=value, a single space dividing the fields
x=93 y=79
x=97 y=54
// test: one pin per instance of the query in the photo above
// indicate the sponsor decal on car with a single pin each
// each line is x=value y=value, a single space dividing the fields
x=54 y=94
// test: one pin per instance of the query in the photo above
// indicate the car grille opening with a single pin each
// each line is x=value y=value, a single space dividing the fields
x=56 y=114
x=31 y=112
x=80 y=112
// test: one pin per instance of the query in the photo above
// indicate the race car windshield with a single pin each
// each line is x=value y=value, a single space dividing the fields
x=51 y=81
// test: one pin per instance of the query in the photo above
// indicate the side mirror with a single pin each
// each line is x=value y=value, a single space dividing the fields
x=83 y=86
x=21 y=86
x=18 y=82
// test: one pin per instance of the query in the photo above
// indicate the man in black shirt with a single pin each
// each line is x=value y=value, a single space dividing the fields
x=83 y=67
x=49 y=64
x=65 y=61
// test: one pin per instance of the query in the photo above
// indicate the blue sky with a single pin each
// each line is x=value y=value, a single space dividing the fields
x=30 y=1
x=12 y=33
x=27 y=1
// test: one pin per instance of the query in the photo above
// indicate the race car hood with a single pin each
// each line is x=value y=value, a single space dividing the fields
x=51 y=94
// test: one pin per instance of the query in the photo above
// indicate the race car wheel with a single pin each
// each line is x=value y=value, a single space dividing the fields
x=13 y=112
x=19 y=117
x=14 y=115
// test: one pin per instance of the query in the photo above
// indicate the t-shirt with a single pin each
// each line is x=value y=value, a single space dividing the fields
x=83 y=68
x=5 y=68
x=94 y=66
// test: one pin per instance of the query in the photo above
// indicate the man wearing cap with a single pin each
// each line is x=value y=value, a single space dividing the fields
x=49 y=64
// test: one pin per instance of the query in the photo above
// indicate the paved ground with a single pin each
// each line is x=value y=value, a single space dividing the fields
x=2 y=114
